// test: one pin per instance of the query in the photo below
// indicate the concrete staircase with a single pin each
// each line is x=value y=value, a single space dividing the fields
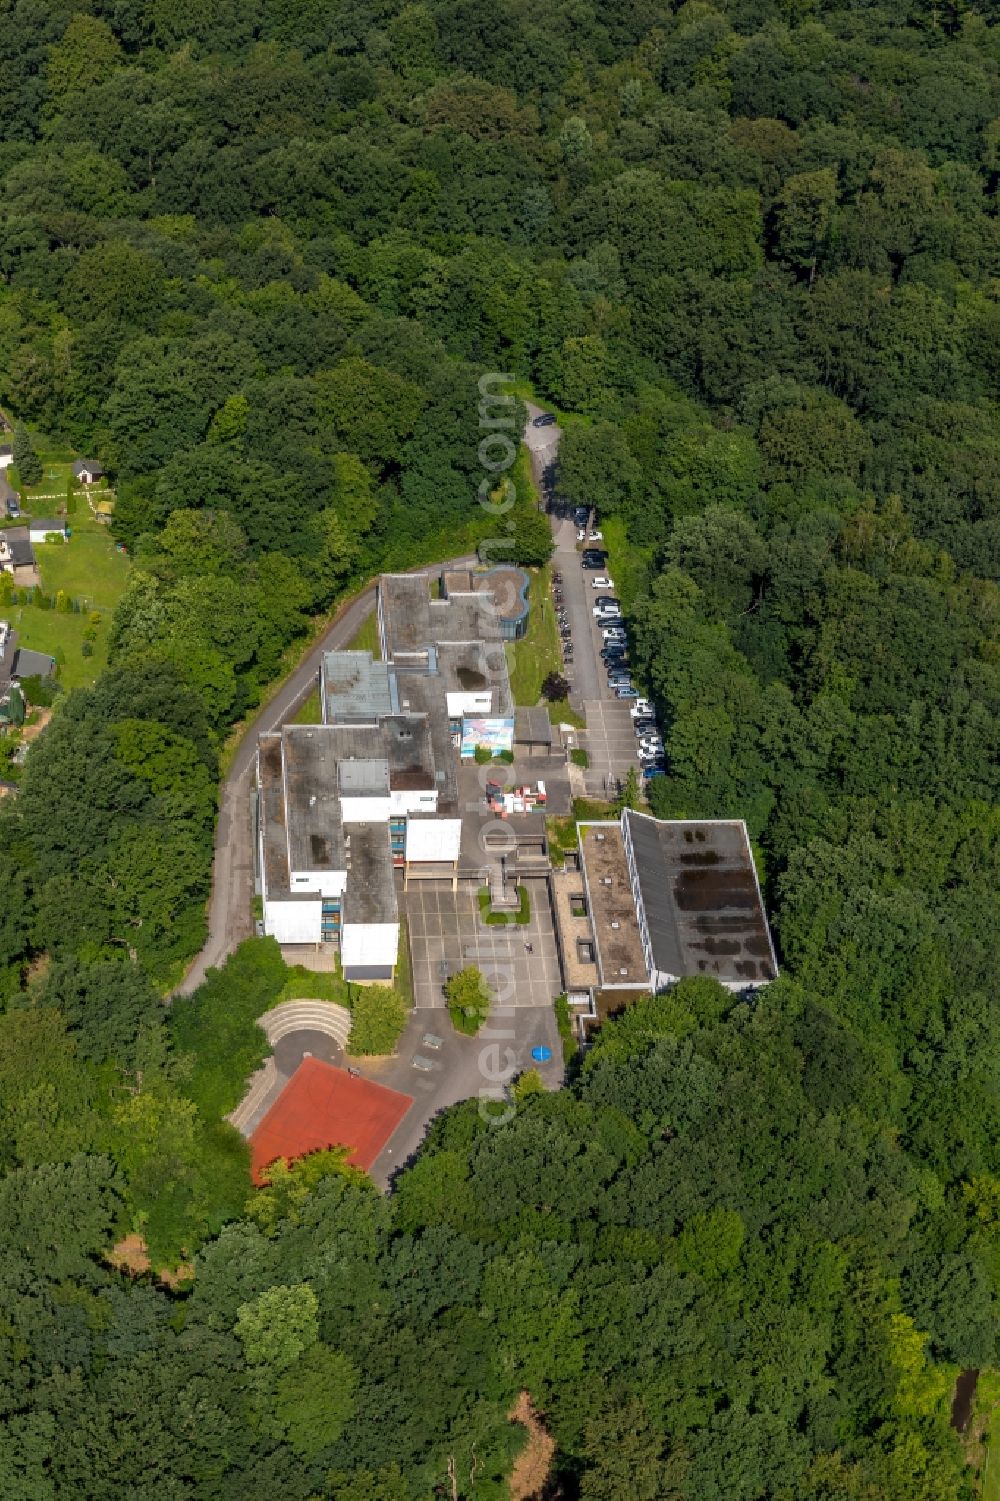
x=316 y=1016
x=293 y=1016
x=260 y=1086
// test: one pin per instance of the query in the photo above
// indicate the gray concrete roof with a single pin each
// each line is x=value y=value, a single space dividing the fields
x=620 y=957
x=699 y=890
x=357 y=687
x=414 y=621
x=364 y=778
x=32 y=664
x=370 y=895
x=533 y=727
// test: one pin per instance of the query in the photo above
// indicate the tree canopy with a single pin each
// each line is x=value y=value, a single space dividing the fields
x=255 y=257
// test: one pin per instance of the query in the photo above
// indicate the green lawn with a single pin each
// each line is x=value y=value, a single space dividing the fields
x=311 y=985
x=310 y=712
x=60 y=635
x=504 y=919
x=88 y=567
x=531 y=659
x=366 y=638
x=986 y=1414
x=991 y=1473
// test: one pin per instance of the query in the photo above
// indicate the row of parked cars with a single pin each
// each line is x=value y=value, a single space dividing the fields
x=614 y=651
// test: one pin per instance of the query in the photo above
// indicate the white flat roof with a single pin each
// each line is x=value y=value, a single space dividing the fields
x=364 y=945
x=433 y=838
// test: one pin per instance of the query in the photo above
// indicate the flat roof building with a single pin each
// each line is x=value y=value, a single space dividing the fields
x=698 y=900
x=458 y=639
x=508 y=587
x=355 y=688
x=658 y=900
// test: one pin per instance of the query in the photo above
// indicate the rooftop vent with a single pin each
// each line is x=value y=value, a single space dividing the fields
x=623 y=971
x=606 y=881
x=600 y=838
x=616 y=924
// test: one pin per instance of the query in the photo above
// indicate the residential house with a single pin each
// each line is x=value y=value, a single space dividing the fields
x=87 y=471
x=17 y=555
x=32 y=664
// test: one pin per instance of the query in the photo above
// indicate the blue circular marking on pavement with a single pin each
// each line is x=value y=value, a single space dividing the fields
x=541 y=1055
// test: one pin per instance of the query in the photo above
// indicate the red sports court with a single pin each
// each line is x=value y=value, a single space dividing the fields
x=322 y=1106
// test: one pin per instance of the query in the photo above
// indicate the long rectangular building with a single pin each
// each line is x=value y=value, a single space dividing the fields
x=657 y=900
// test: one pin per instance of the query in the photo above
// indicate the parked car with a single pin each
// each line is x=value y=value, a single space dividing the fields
x=649 y=772
x=602 y=582
x=592 y=564
x=626 y=693
x=640 y=707
x=605 y=612
x=645 y=727
x=545 y=420
x=596 y=536
x=609 y=599
x=614 y=633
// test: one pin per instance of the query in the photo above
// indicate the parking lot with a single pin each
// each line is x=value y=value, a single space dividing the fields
x=447 y=934
x=610 y=742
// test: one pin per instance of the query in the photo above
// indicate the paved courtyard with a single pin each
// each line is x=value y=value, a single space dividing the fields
x=446 y=934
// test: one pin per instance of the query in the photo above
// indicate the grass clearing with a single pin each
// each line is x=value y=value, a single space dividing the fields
x=403 y=982
x=88 y=567
x=311 y=711
x=537 y=654
x=525 y=390
x=314 y=985
x=60 y=634
x=366 y=638
x=628 y=565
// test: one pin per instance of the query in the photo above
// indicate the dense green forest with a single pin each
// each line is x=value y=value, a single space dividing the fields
x=255 y=256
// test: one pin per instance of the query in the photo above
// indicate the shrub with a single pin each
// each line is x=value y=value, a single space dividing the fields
x=565 y=1024
x=216 y=1030
x=379 y=1016
x=555 y=687
x=468 y=1000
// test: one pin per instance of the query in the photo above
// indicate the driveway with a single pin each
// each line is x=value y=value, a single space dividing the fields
x=608 y=738
x=447 y=934
x=462 y=1068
